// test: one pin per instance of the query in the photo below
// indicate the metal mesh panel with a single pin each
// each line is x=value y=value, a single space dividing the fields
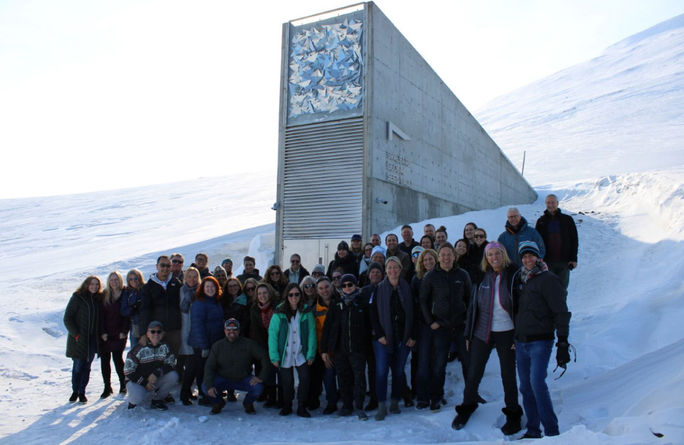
x=323 y=180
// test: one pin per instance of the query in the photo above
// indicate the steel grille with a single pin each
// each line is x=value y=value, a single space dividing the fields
x=323 y=180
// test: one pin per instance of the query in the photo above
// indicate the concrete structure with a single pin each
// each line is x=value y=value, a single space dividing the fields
x=370 y=138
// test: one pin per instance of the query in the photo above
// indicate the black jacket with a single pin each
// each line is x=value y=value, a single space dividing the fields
x=302 y=273
x=81 y=319
x=347 y=327
x=159 y=304
x=568 y=235
x=540 y=308
x=444 y=296
x=508 y=275
x=348 y=265
x=381 y=311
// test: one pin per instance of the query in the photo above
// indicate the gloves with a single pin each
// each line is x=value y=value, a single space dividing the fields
x=562 y=354
x=205 y=354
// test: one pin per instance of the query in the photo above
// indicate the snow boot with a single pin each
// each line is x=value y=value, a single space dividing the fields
x=464 y=413
x=74 y=397
x=107 y=392
x=82 y=398
x=382 y=411
x=372 y=403
x=513 y=417
x=394 y=407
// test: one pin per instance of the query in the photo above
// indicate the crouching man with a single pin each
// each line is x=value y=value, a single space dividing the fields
x=149 y=369
x=229 y=367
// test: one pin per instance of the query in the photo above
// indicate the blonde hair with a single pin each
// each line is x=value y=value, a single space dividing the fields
x=420 y=268
x=108 y=291
x=485 y=266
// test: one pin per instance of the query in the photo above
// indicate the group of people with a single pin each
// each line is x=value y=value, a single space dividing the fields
x=343 y=328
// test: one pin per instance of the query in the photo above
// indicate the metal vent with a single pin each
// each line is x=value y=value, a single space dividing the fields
x=323 y=180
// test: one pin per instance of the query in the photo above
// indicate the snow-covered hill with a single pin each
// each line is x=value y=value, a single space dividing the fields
x=620 y=112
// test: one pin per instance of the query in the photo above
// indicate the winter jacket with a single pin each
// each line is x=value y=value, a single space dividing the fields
x=347 y=327
x=558 y=229
x=320 y=313
x=407 y=268
x=113 y=324
x=408 y=249
x=348 y=265
x=159 y=304
x=279 y=330
x=187 y=294
x=444 y=296
x=484 y=296
x=540 y=308
x=381 y=311
x=81 y=319
x=144 y=360
x=233 y=360
x=130 y=308
x=257 y=330
x=206 y=323
x=244 y=276
x=302 y=273
x=513 y=236
x=238 y=310
x=203 y=272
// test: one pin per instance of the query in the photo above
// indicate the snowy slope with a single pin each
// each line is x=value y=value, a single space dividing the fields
x=620 y=112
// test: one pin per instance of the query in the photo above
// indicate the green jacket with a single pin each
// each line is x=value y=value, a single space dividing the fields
x=233 y=361
x=279 y=330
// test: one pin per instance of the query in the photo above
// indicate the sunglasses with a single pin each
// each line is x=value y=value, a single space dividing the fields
x=294 y=294
x=479 y=236
x=308 y=286
x=416 y=255
x=337 y=277
x=165 y=265
x=348 y=284
x=155 y=332
x=231 y=328
x=249 y=289
x=177 y=261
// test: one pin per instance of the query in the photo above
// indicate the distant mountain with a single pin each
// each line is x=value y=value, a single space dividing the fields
x=620 y=112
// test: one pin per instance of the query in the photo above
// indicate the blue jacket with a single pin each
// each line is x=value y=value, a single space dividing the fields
x=511 y=238
x=206 y=323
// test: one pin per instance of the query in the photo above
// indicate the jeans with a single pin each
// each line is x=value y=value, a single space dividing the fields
x=80 y=372
x=322 y=377
x=563 y=271
x=386 y=357
x=433 y=351
x=533 y=360
x=223 y=384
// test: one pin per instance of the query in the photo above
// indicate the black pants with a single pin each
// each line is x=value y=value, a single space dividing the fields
x=286 y=376
x=479 y=355
x=370 y=360
x=351 y=369
x=106 y=368
x=194 y=370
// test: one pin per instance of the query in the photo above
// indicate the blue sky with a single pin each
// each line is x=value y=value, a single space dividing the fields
x=99 y=95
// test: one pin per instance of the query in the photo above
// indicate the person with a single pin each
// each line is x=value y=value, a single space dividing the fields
x=149 y=368
x=260 y=314
x=274 y=276
x=489 y=325
x=469 y=233
x=559 y=233
x=296 y=272
x=344 y=260
x=357 y=251
x=206 y=328
x=441 y=237
x=374 y=275
x=391 y=314
x=130 y=303
x=318 y=271
x=477 y=253
x=249 y=288
x=366 y=258
x=407 y=242
x=160 y=301
x=177 y=261
x=81 y=321
x=292 y=344
x=308 y=286
x=540 y=311
x=202 y=264
x=336 y=277
x=375 y=240
x=221 y=276
x=516 y=232
x=464 y=259
x=249 y=271
x=392 y=243
x=377 y=256
x=427 y=242
x=444 y=295
x=321 y=375
x=191 y=281
x=229 y=367
x=235 y=302
x=227 y=264
x=113 y=334
x=429 y=230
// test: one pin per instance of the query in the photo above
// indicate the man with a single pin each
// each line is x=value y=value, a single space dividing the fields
x=374 y=275
x=229 y=367
x=408 y=243
x=429 y=230
x=149 y=369
x=356 y=249
x=516 y=232
x=296 y=271
x=344 y=345
x=202 y=264
x=559 y=233
x=344 y=260
x=227 y=264
x=392 y=243
x=320 y=374
x=375 y=240
x=444 y=295
x=249 y=271
x=177 y=261
x=160 y=300
x=318 y=271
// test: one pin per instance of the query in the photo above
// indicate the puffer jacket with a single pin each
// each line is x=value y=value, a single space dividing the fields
x=444 y=296
x=81 y=319
x=206 y=323
x=159 y=304
x=484 y=294
x=540 y=308
x=347 y=327
x=513 y=236
x=279 y=330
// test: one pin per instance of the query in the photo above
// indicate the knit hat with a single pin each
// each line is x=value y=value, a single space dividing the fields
x=493 y=245
x=375 y=265
x=155 y=324
x=356 y=237
x=318 y=268
x=343 y=246
x=227 y=260
x=348 y=278
x=231 y=322
x=528 y=247
x=377 y=249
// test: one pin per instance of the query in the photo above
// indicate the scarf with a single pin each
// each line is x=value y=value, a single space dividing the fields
x=266 y=313
x=538 y=268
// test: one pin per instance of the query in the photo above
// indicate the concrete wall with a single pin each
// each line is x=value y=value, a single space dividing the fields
x=450 y=165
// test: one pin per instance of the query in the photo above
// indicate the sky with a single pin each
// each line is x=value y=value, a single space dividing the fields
x=99 y=95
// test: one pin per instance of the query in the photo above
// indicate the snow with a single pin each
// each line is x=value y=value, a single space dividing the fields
x=626 y=296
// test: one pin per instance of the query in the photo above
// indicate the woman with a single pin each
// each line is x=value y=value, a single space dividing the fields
x=130 y=303
x=468 y=233
x=274 y=276
x=221 y=276
x=308 y=285
x=81 y=321
x=260 y=315
x=292 y=344
x=540 y=311
x=113 y=334
x=235 y=304
x=476 y=253
x=426 y=242
x=441 y=237
x=206 y=328
x=366 y=258
x=191 y=280
x=464 y=259
x=249 y=289
x=489 y=324
x=391 y=314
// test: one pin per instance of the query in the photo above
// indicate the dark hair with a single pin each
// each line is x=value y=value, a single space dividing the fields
x=286 y=304
x=83 y=288
x=406 y=226
x=199 y=293
x=432 y=241
x=230 y=280
x=163 y=257
x=483 y=231
x=442 y=229
x=202 y=255
x=282 y=281
x=468 y=224
x=445 y=244
x=249 y=258
x=391 y=234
